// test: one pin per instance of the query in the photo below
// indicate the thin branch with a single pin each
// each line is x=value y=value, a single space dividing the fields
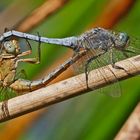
x=38 y=15
x=115 y=10
x=67 y=89
x=131 y=129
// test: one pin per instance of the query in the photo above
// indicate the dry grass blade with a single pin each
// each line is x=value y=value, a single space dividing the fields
x=131 y=129
x=115 y=10
x=40 y=14
x=66 y=89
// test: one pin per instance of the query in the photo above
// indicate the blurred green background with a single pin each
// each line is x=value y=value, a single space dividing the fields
x=90 y=116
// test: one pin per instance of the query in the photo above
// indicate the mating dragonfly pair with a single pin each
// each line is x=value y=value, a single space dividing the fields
x=97 y=45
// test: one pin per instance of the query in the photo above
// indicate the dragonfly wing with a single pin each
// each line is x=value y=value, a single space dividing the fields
x=114 y=87
x=21 y=74
x=80 y=66
x=95 y=64
x=6 y=93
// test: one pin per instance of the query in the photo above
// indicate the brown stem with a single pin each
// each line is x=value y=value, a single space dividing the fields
x=38 y=15
x=113 y=12
x=68 y=88
x=131 y=129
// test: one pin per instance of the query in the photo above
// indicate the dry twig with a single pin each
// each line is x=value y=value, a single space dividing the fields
x=66 y=89
x=38 y=15
x=131 y=129
x=115 y=10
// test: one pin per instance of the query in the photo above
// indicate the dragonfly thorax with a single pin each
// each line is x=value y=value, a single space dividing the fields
x=97 y=38
x=7 y=71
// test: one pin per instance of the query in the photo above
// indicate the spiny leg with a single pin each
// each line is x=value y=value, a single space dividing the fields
x=31 y=60
x=39 y=52
x=28 y=52
x=39 y=45
x=86 y=72
x=86 y=68
x=119 y=67
x=87 y=64
x=113 y=61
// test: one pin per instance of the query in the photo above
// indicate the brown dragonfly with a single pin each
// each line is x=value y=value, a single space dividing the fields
x=11 y=56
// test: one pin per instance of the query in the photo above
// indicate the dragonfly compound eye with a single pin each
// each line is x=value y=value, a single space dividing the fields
x=124 y=40
x=9 y=47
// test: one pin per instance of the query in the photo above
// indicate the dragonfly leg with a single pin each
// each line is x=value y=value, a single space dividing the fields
x=87 y=64
x=28 y=60
x=86 y=72
x=86 y=69
x=113 y=61
x=29 y=51
x=39 y=45
x=38 y=58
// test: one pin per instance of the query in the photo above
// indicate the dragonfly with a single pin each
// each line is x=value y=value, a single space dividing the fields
x=91 y=45
x=10 y=57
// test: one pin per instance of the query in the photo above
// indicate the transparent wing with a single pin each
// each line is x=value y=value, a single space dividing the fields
x=79 y=66
x=21 y=73
x=114 y=88
x=133 y=48
x=6 y=93
x=103 y=60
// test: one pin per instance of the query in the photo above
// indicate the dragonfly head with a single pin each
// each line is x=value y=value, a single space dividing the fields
x=11 y=47
x=122 y=41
